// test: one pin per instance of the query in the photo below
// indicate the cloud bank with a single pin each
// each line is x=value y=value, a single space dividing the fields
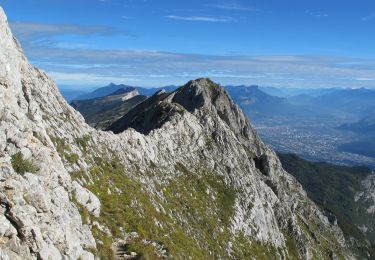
x=83 y=66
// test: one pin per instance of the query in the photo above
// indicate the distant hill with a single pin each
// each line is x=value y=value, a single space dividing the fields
x=349 y=103
x=102 y=111
x=364 y=126
x=290 y=92
x=365 y=129
x=103 y=91
x=259 y=105
x=71 y=94
x=342 y=192
x=111 y=88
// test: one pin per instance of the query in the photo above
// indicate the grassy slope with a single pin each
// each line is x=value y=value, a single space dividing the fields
x=189 y=214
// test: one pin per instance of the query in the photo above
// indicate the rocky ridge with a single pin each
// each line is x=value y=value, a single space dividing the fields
x=201 y=184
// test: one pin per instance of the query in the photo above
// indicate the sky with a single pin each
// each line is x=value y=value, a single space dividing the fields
x=281 y=43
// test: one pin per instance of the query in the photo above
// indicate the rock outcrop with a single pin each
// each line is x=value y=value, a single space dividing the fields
x=185 y=177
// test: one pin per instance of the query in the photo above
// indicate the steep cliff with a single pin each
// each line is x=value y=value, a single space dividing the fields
x=192 y=181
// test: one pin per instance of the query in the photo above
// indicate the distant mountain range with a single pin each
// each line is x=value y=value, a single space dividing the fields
x=365 y=129
x=291 y=92
x=364 y=126
x=346 y=103
x=259 y=105
x=72 y=94
x=263 y=102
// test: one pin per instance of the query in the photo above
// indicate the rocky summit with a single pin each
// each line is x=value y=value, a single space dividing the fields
x=183 y=175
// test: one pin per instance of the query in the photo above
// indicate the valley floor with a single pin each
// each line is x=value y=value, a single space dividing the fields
x=313 y=140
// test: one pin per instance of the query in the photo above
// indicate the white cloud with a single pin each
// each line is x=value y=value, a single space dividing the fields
x=317 y=15
x=364 y=79
x=368 y=17
x=88 y=78
x=231 y=5
x=153 y=68
x=30 y=30
x=202 y=18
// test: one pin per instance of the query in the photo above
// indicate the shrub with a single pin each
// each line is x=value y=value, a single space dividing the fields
x=21 y=165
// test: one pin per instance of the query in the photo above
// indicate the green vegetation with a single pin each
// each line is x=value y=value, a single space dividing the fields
x=324 y=244
x=190 y=219
x=21 y=165
x=83 y=142
x=64 y=150
x=333 y=188
x=291 y=247
x=189 y=214
x=245 y=249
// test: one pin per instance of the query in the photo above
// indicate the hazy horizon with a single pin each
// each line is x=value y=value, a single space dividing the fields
x=94 y=87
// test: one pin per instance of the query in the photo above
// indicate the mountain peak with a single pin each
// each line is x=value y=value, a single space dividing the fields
x=202 y=97
x=198 y=93
x=162 y=106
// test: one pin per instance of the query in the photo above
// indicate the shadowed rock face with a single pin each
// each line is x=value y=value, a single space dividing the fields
x=149 y=115
x=193 y=187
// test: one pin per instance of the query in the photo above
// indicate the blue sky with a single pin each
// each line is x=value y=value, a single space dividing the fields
x=299 y=43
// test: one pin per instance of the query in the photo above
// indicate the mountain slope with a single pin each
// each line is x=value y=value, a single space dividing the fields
x=363 y=126
x=102 y=112
x=365 y=143
x=202 y=185
x=343 y=191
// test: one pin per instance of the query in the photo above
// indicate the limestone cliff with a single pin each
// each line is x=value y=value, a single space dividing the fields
x=192 y=181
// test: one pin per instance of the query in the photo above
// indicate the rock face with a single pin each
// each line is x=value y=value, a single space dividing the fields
x=191 y=180
x=38 y=219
